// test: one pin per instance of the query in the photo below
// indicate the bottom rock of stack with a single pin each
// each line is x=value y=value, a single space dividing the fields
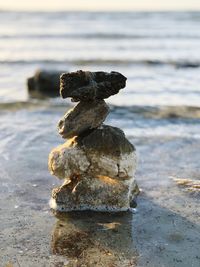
x=100 y=193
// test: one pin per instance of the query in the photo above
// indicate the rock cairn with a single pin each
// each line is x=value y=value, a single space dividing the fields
x=97 y=162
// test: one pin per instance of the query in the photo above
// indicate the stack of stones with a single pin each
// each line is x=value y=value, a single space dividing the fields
x=97 y=162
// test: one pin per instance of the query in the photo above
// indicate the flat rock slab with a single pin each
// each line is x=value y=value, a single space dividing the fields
x=87 y=86
x=83 y=117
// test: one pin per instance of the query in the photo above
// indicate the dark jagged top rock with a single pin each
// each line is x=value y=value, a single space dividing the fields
x=87 y=86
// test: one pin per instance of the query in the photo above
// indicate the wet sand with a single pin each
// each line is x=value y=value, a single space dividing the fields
x=164 y=231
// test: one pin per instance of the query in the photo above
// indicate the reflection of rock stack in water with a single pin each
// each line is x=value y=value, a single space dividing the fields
x=94 y=239
x=97 y=163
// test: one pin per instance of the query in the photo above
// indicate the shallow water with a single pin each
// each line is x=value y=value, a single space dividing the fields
x=159 y=112
x=158 y=52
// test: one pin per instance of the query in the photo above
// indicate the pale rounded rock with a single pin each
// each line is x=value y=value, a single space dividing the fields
x=67 y=160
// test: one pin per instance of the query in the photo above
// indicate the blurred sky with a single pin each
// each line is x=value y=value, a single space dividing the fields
x=100 y=4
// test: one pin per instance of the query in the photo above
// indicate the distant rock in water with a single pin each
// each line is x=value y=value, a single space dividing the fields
x=183 y=65
x=44 y=83
x=88 y=86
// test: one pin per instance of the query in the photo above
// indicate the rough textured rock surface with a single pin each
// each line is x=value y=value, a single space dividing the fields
x=100 y=193
x=87 y=86
x=83 y=117
x=105 y=151
x=44 y=83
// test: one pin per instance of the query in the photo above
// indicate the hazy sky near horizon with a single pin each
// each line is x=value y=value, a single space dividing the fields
x=100 y=5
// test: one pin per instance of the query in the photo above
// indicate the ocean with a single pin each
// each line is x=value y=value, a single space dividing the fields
x=159 y=111
x=159 y=53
